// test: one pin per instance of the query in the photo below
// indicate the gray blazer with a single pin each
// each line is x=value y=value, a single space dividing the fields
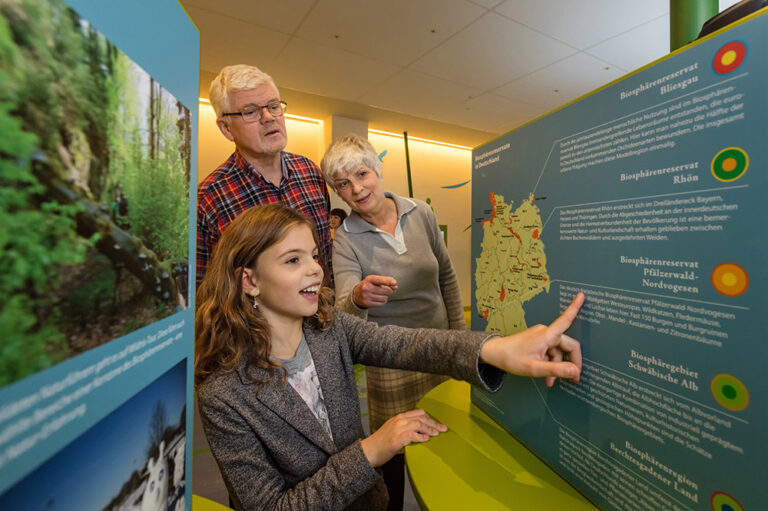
x=272 y=451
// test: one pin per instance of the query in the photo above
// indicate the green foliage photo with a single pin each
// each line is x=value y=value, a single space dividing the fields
x=80 y=121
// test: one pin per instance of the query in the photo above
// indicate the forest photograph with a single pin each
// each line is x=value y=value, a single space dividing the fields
x=95 y=161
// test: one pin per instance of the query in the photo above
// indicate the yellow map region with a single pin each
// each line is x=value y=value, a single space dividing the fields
x=512 y=267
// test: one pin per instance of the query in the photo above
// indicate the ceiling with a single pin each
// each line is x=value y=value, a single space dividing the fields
x=462 y=70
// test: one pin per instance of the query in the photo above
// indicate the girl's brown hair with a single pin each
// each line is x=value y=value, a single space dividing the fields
x=227 y=325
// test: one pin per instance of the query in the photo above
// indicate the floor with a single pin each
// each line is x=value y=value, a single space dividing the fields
x=206 y=479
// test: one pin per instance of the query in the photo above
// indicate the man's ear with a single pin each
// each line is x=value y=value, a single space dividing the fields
x=224 y=128
x=247 y=280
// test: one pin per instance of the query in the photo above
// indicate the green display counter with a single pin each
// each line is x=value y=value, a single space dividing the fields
x=202 y=504
x=478 y=465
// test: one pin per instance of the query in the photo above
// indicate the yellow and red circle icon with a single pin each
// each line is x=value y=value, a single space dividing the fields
x=723 y=502
x=729 y=57
x=729 y=392
x=730 y=164
x=730 y=279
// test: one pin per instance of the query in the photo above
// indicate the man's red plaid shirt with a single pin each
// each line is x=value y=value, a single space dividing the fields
x=236 y=186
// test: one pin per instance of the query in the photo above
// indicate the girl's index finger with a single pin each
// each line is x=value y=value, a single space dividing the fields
x=562 y=323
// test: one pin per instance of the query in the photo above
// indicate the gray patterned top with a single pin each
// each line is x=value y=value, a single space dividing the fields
x=303 y=378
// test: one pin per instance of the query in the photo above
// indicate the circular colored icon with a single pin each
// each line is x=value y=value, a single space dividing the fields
x=723 y=502
x=729 y=57
x=730 y=392
x=730 y=164
x=730 y=279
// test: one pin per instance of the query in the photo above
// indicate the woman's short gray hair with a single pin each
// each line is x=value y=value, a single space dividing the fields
x=346 y=154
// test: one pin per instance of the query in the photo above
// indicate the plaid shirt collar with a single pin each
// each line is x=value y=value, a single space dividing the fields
x=244 y=165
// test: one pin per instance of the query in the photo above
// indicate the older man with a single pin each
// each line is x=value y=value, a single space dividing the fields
x=249 y=112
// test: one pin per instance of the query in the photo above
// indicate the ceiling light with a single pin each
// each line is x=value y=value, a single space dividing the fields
x=302 y=118
x=418 y=139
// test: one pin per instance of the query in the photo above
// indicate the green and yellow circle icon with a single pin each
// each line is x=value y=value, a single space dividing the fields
x=729 y=392
x=729 y=57
x=730 y=279
x=723 y=502
x=730 y=164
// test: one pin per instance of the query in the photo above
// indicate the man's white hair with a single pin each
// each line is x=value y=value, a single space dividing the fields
x=233 y=78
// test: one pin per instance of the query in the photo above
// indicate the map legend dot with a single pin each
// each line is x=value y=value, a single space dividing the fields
x=730 y=279
x=729 y=392
x=730 y=164
x=723 y=502
x=729 y=57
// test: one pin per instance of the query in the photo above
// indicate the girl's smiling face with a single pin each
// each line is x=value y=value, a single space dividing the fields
x=287 y=278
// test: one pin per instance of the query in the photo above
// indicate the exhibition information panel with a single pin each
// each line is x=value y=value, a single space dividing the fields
x=649 y=196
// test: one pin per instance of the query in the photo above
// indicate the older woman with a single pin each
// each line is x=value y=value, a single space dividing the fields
x=391 y=267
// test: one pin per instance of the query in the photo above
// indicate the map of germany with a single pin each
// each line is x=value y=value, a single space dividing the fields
x=512 y=267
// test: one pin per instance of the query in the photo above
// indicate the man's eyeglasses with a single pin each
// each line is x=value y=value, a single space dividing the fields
x=253 y=113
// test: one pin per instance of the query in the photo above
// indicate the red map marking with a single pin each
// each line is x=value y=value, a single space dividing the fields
x=503 y=293
x=492 y=198
x=535 y=234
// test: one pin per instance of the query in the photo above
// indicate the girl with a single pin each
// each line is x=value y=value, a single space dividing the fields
x=275 y=377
